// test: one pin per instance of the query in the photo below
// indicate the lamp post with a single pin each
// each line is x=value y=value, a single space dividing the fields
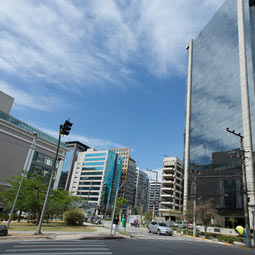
x=155 y=192
x=27 y=165
x=63 y=130
x=115 y=203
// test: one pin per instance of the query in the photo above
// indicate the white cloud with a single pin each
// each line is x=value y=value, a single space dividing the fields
x=97 y=143
x=96 y=42
x=27 y=99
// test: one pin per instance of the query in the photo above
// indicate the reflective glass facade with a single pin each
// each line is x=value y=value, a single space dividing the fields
x=216 y=104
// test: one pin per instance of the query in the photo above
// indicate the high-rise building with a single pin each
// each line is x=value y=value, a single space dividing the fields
x=171 y=188
x=154 y=189
x=142 y=190
x=220 y=95
x=128 y=176
x=64 y=177
x=96 y=177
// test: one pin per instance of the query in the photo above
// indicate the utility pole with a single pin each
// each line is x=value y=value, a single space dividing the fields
x=245 y=195
x=26 y=169
x=64 y=130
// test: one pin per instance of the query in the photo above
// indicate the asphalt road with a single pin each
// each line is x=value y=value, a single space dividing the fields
x=172 y=245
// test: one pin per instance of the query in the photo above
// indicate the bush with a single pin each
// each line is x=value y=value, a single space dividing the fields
x=15 y=216
x=226 y=239
x=73 y=217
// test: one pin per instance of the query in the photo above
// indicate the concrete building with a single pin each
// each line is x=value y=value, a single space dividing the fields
x=128 y=176
x=142 y=190
x=152 y=189
x=171 y=188
x=6 y=102
x=96 y=177
x=64 y=177
x=220 y=95
x=24 y=147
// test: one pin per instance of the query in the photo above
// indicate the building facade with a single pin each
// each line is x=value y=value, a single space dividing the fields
x=128 y=176
x=24 y=147
x=142 y=190
x=220 y=95
x=154 y=189
x=96 y=177
x=171 y=188
x=64 y=177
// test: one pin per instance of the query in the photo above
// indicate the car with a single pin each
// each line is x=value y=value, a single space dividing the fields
x=182 y=224
x=3 y=230
x=160 y=228
x=171 y=223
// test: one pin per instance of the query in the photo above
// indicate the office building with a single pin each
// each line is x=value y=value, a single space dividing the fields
x=96 y=177
x=154 y=190
x=128 y=176
x=171 y=188
x=24 y=147
x=220 y=95
x=63 y=179
x=142 y=190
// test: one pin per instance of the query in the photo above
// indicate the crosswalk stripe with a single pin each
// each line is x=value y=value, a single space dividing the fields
x=57 y=245
x=60 y=249
x=65 y=253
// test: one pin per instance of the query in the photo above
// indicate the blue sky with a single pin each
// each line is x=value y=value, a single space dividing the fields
x=117 y=69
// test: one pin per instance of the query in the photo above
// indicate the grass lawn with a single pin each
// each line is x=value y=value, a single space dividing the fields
x=52 y=226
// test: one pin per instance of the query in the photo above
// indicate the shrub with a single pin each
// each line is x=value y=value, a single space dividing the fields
x=73 y=217
x=226 y=239
x=15 y=216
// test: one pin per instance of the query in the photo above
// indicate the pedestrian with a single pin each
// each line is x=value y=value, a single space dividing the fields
x=115 y=225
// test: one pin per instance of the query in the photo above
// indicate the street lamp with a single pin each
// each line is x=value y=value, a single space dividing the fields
x=155 y=193
x=27 y=165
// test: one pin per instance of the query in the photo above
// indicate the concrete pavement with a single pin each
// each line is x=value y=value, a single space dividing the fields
x=99 y=233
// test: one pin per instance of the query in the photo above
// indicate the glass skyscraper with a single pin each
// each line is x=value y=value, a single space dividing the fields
x=220 y=95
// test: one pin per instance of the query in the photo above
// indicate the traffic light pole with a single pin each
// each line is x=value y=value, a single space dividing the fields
x=49 y=187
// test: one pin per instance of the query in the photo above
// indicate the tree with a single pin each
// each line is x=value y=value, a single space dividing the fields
x=205 y=213
x=135 y=210
x=148 y=216
x=32 y=197
x=120 y=201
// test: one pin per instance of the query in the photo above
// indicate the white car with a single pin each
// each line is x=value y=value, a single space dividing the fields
x=160 y=228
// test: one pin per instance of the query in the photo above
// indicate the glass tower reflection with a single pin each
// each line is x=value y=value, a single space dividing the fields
x=216 y=104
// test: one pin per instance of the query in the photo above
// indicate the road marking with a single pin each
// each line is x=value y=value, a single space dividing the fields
x=65 y=253
x=60 y=249
x=57 y=245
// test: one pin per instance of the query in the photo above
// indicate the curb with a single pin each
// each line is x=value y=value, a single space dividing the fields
x=228 y=244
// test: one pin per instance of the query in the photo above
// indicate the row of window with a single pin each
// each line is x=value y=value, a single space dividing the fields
x=96 y=155
x=91 y=178
x=86 y=193
x=94 y=173
x=93 y=168
x=89 y=188
x=95 y=159
x=94 y=164
x=88 y=183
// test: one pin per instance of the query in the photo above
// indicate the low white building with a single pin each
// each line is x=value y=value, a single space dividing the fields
x=171 y=188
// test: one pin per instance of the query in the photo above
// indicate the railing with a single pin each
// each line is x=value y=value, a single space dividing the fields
x=29 y=128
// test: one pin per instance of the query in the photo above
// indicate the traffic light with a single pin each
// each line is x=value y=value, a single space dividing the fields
x=66 y=128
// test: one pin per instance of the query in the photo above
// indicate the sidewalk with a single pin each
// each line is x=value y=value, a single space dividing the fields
x=100 y=233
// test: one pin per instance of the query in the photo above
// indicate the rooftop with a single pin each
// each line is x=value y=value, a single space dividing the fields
x=29 y=128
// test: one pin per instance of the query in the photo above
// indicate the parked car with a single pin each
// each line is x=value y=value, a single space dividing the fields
x=182 y=224
x=95 y=220
x=3 y=230
x=171 y=223
x=160 y=228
